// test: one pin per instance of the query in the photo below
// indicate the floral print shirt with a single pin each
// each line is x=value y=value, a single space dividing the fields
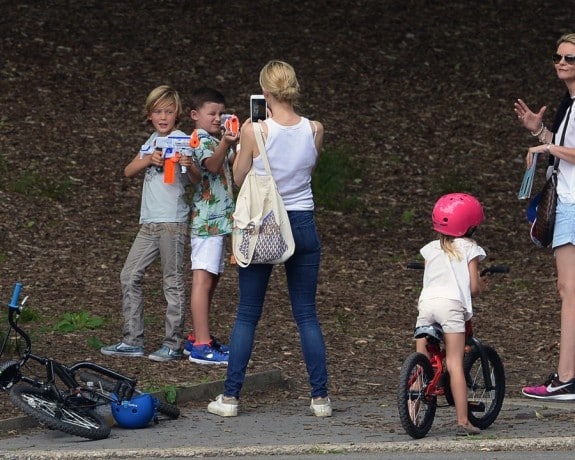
x=213 y=203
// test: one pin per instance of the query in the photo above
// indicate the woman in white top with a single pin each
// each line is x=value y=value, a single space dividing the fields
x=559 y=142
x=293 y=144
x=450 y=279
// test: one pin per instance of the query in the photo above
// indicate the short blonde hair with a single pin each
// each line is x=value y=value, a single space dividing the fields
x=279 y=79
x=163 y=95
x=566 y=38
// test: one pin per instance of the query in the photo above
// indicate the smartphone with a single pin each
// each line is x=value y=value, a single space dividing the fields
x=258 y=107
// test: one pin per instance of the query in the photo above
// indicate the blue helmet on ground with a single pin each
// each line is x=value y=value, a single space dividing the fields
x=138 y=412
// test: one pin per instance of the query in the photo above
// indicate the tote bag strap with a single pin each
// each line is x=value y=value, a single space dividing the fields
x=259 y=134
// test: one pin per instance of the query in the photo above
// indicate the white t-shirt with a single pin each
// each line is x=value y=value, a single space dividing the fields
x=449 y=278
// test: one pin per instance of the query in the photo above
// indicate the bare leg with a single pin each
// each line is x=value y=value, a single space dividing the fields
x=414 y=406
x=421 y=346
x=565 y=260
x=455 y=348
x=203 y=287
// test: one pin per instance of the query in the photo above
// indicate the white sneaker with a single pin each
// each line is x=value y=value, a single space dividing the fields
x=321 y=407
x=228 y=408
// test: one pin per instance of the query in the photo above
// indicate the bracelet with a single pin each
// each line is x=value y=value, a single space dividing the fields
x=549 y=148
x=538 y=132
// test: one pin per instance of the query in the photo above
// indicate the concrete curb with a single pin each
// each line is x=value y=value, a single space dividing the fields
x=421 y=446
x=199 y=392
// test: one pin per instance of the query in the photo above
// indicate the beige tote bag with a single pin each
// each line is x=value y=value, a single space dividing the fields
x=261 y=231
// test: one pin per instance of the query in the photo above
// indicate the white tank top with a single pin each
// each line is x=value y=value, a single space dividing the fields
x=292 y=156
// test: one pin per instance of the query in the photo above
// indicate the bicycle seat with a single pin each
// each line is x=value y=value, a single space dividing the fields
x=433 y=331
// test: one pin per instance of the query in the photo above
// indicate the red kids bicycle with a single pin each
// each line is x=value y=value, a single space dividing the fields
x=422 y=380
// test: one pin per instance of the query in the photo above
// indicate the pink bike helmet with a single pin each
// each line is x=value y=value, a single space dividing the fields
x=455 y=214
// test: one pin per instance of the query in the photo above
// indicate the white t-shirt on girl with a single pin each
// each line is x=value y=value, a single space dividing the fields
x=449 y=278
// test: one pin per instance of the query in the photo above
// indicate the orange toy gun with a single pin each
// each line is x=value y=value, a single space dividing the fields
x=230 y=123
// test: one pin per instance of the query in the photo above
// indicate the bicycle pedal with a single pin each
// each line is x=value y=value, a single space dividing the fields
x=475 y=406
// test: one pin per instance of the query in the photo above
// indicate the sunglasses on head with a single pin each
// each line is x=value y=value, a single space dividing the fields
x=569 y=58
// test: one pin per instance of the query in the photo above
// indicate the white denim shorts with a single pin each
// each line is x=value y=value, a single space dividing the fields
x=208 y=254
x=451 y=314
x=564 y=232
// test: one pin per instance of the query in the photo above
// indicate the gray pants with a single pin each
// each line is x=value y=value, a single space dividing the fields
x=168 y=241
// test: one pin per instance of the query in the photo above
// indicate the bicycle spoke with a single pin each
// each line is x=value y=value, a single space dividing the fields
x=416 y=409
x=484 y=404
x=61 y=413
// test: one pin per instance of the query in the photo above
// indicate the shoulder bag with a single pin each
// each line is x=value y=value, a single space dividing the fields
x=261 y=229
x=544 y=225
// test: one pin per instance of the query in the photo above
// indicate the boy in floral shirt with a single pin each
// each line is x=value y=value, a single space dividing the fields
x=211 y=220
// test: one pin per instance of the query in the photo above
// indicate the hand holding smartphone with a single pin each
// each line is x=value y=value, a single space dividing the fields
x=258 y=107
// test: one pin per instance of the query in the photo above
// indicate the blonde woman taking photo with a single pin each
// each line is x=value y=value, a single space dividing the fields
x=293 y=144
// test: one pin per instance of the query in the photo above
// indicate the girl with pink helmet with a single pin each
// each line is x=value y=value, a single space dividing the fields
x=450 y=280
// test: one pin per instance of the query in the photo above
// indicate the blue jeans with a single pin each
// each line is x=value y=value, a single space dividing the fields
x=302 y=273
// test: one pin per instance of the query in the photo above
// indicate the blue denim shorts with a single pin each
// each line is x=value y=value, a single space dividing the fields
x=564 y=232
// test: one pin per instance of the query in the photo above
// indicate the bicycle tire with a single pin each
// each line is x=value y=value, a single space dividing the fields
x=41 y=405
x=489 y=403
x=416 y=410
x=167 y=409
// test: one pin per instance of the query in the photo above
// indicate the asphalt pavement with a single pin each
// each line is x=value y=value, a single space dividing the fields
x=287 y=428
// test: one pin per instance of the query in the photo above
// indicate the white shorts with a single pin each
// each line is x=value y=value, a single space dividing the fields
x=451 y=314
x=208 y=254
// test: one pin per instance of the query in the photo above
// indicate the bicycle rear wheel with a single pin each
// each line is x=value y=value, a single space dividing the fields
x=416 y=410
x=41 y=405
x=484 y=404
x=108 y=385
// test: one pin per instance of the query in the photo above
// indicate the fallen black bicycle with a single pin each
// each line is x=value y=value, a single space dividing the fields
x=66 y=397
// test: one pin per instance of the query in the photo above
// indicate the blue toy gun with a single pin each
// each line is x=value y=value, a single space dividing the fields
x=172 y=148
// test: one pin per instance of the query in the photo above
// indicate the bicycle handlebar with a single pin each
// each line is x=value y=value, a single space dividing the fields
x=15 y=295
x=416 y=265
x=495 y=269
x=485 y=271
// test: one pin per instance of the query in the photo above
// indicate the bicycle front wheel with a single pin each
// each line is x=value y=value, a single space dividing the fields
x=484 y=403
x=416 y=410
x=41 y=405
